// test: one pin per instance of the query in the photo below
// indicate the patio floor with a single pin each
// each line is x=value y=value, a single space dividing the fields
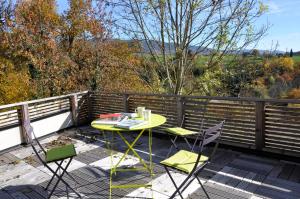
x=231 y=175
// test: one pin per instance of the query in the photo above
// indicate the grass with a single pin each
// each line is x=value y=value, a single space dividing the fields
x=296 y=58
x=202 y=59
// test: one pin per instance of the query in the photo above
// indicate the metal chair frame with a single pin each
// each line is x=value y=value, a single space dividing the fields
x=29 y=131
x=191 y=147
x=208 y=136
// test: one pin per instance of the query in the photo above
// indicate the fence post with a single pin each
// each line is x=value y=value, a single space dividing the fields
x=180 y=111
x=89 y=104
x=260 y=125
x=24 y=117
x=126 y=102
x=74 y=107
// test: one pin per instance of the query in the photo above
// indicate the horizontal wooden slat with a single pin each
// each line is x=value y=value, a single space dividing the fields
x=282 y=129
x=282 y=117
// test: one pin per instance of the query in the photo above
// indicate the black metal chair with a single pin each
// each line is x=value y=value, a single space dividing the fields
x=56 y=155
x=193 y=163
x=180 y=132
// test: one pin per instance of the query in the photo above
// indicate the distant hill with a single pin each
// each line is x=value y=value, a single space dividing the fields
x=170 y=49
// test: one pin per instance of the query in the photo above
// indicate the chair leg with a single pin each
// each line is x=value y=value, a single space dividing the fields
x=187 y=142
x=58 y=167
x=67 y=173
x=61 y=179
x=195 y=143
x=182 y=184
x=173 y=141
x=177 y=189
x=195 y=175
x=187 y=184
x=203 y=187
x=175 y=145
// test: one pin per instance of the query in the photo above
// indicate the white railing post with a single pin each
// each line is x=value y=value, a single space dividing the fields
x=74 y=108
x=24 y=118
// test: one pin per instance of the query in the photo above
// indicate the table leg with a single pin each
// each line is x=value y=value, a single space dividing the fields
x=111 y=163
x=130 y=148
x=150 y=159
x=150 y=152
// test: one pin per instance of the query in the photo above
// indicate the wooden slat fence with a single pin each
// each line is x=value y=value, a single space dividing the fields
x=239 y=128
x=282 y=127
x=267 y=125
x=105 y=103
x=188 y=111
x=9 y=117
x=164 y=105
x=83 y=108
x=45 y=109
x=46 y=115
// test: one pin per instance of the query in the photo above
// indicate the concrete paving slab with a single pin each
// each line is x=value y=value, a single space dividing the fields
x=74 y=165
x=163 y=188
x=106 y=163
x=21 y=173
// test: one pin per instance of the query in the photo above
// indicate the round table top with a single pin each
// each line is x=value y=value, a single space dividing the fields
x=156 y=120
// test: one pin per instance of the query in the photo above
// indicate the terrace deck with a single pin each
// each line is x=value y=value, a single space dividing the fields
x=231 y=174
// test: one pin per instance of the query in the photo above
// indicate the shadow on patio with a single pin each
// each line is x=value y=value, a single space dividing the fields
x=231 y=174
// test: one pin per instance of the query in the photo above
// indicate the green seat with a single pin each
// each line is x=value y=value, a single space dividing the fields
x=184 y=160
x=180 y=131
x=60 y=153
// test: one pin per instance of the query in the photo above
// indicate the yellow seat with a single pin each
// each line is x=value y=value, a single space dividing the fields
x=184 y=160
x=180 y=131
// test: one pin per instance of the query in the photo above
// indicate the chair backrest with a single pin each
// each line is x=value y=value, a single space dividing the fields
x=203 y=110
x=213 y=133
x=29 y=136
x=210 y=135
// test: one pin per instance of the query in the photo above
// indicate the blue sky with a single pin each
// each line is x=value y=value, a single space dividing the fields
x=283 y=16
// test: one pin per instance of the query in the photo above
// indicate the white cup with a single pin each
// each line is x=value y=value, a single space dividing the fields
x=147 y=115
x=140 y=111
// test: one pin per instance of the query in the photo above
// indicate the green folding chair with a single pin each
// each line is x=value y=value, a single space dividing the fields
x=193 y=163
x=56 y=155
x=180 y=132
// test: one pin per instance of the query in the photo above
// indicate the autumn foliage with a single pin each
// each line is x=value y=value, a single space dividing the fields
x=47 y=53
x=14 y=83
x=44 y=53
x=294 y=93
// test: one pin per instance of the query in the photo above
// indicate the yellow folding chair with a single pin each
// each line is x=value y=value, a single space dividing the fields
x=193 y=163
x=180 y=132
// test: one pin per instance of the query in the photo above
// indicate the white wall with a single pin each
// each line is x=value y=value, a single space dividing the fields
x=52 y=124
x=12 y=137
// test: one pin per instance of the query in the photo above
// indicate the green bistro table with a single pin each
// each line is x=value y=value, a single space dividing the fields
x=156 y=120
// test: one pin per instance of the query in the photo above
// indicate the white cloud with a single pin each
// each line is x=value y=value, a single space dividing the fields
x=283 y=7
x=273 y=8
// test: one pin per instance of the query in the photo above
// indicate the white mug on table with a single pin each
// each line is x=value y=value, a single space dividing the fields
x=140 y=111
